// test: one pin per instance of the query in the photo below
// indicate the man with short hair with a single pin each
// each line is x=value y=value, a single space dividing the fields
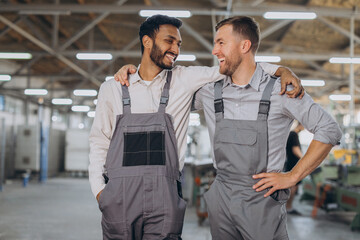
x=248 y=124
x=138 y=138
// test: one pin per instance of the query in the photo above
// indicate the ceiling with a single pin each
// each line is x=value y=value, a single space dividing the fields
x=54 y=31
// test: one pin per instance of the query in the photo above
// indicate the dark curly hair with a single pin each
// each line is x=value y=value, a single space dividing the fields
x=152 y=24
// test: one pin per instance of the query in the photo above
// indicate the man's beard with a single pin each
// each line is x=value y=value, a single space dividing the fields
x=230 y=66
x=157 y=57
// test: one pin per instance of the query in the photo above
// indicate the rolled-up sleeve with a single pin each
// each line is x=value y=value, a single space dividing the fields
x=99 y=139
x=314 y=118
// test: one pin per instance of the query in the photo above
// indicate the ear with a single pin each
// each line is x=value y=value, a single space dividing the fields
x=245 y=46
x=147 y=42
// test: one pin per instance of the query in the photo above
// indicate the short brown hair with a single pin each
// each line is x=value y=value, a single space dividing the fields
x=246 y=27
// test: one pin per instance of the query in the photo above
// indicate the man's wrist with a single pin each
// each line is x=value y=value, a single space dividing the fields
x=294 y=177
x=280 y=71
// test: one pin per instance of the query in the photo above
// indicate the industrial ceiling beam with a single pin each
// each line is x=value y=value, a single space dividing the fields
x=203 y=55
x=259 y=10
x=339 y=29
x=83 y=31
x=203 y=41
x=7 y=28
x=321 y=69
x=273 y=28
x=126 y=48
x=49 y=50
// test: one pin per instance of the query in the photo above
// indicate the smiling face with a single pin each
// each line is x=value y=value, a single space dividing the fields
x=166 y=46
x=227 y=47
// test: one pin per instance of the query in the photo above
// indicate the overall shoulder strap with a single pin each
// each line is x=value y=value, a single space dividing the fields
x=218 y=100
x=165 y=93
x=126 y=99
x=264 y=106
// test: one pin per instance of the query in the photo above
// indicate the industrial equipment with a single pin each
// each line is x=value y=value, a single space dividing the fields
x=336 y=184
x=77 y=151
x=28 y=149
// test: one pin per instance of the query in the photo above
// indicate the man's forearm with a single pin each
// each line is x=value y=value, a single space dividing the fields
x=315 y=154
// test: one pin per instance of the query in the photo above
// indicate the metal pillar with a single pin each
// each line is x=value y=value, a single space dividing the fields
x=2 y=155
x=351 y=73
x=43 y=145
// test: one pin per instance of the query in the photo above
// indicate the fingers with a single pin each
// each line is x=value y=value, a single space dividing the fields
x=302 y=93
x=271 y=191
x=283 y=88
x=124 y=79
x=117 y=76
x=260 y=175
x=98 y=195
x=132 y=69
x=262 y=186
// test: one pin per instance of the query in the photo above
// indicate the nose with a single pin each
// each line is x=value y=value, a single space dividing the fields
x=175 y=48
x=215 y=50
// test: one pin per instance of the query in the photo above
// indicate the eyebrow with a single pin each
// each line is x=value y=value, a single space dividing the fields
x=172 y=37
x=218 y=40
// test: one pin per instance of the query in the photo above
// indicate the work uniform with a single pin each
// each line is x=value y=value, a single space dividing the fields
x=145 y=98
x=248 y=128
x=236 y=211
x=142 y=199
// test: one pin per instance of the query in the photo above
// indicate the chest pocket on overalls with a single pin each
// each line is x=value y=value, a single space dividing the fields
x=241 y=137
x=144 y=148
x=238 y=144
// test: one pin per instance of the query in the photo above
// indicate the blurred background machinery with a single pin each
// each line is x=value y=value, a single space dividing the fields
x=335 y=185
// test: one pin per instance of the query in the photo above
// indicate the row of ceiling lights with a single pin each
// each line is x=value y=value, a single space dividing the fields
x=267 y=15
x=181 y=14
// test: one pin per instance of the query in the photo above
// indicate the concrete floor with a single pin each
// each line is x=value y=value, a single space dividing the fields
x=64 y=208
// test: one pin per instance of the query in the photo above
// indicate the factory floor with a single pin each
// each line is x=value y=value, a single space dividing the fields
x=64 y=209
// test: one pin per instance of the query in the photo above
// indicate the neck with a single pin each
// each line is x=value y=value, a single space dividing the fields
x=148 y=69
x=244 y=72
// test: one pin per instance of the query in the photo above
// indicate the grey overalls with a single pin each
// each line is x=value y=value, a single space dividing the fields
x=236 y=211
x=141 y=199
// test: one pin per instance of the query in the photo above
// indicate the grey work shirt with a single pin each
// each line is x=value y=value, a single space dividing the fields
x=242 y=103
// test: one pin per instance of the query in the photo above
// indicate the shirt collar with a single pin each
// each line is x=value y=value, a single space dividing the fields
x=256 y=78
x=136 y=77
x=254 y=81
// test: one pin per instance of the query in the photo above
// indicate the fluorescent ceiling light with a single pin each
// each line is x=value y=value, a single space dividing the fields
x=95 y=101
x=80 y=108
x=35 y=92
x=5 y=77
x=170 y=13
x=340 y=97
x=91 y=114
x=61 y=101
x=267 y=58
x=107 y=78
x=85 y=92
x=344 y=60
x=290 y=15
x=312 y=83
x=186 y=57
x=94 y=56
x=10 y=55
